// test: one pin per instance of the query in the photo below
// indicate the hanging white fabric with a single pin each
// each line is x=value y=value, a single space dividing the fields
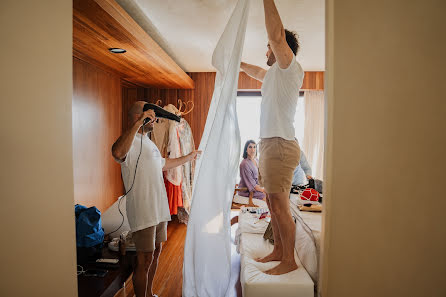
x=313 y=144
x=207 y=253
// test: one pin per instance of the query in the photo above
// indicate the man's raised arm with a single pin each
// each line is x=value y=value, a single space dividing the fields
x=253 y=71
x=276 y=35
x=123 y=144
x=172 y=163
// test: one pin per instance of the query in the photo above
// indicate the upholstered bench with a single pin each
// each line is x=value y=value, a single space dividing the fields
x=256 y=283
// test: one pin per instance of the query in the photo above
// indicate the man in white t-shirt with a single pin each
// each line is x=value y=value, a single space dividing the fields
x=279 y=150
x=147 y=205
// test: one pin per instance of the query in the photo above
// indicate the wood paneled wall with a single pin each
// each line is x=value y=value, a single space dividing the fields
x=313 y=80
x=246 y=82
x=97 y=122
x=201 y=95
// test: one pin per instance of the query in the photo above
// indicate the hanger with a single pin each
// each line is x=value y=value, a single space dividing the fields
x=180 y=106
x=188 y=107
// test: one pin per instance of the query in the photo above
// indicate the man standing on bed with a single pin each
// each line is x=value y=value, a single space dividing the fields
x=146 y=204
x=279 y=150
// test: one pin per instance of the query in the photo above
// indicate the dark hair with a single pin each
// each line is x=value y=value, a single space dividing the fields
x=245 y=150
x=293 y=42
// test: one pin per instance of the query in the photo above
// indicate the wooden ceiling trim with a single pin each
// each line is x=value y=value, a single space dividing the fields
x=102 y=24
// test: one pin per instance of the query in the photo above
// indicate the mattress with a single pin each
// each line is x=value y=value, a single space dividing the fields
x=256 y=283
x=245 y=200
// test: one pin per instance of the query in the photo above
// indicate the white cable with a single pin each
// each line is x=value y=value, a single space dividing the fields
x=82 y=271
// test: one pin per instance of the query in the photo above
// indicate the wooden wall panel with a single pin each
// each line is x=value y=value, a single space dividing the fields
x=246 y=82
x=97 y=122
x=204 y=88
x=314 y=80
x=130 y=94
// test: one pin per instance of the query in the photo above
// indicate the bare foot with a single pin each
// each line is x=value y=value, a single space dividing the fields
x=274 y=256
x=282 y=268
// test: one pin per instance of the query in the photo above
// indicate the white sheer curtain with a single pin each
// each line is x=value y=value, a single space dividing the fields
x=207 y=251
x=313 y=143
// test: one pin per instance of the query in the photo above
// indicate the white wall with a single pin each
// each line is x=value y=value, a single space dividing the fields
x=36 y=212
x=384 y=226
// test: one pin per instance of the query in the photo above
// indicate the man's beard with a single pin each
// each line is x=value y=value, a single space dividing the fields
x=271 y=61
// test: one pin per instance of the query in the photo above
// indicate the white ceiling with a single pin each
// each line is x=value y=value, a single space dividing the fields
x=188 y=30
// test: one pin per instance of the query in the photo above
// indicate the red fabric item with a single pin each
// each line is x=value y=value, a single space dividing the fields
x=310 y=195
x=174 y=196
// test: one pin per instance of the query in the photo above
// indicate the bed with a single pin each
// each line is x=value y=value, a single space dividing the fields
x=250 y=244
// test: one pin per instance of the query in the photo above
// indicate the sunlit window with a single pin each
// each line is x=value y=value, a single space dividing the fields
x=248 y=112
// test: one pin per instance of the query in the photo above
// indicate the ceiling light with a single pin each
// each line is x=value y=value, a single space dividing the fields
x=116 y=50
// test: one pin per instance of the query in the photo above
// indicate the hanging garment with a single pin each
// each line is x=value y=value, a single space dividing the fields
x=175 y=140
x=174 y=196
x=174 y=175
x=187 y=146
x=207 y=252
x=160 y=135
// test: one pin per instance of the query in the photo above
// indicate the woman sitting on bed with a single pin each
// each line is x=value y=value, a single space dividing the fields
x=249 y=172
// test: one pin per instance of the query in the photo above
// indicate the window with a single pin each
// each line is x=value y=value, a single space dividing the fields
x=248 y=113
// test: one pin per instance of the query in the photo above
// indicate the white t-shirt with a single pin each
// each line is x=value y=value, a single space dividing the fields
x=147 y=202
x=280 y=92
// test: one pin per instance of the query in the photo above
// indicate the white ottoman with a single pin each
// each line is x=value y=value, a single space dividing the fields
x=255 y=283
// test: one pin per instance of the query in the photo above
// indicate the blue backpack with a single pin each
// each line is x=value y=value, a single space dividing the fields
x=89 y=230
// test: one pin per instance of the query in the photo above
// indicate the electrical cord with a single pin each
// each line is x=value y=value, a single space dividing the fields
x=131 y=187
x=82 y=271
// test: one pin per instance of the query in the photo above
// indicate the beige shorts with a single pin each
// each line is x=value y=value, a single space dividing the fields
x=147 y=239
x=278 y=160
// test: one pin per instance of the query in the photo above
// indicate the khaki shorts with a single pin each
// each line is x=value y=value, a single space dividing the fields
x=278 y=160
x=147 y=239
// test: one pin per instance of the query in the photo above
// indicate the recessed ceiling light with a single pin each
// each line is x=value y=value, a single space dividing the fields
x=116 y=50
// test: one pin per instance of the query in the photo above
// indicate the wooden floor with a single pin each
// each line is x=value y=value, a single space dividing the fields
x=169 y=276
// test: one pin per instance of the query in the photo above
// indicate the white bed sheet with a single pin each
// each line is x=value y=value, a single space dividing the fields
x=250 y=223
x=245 y=200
